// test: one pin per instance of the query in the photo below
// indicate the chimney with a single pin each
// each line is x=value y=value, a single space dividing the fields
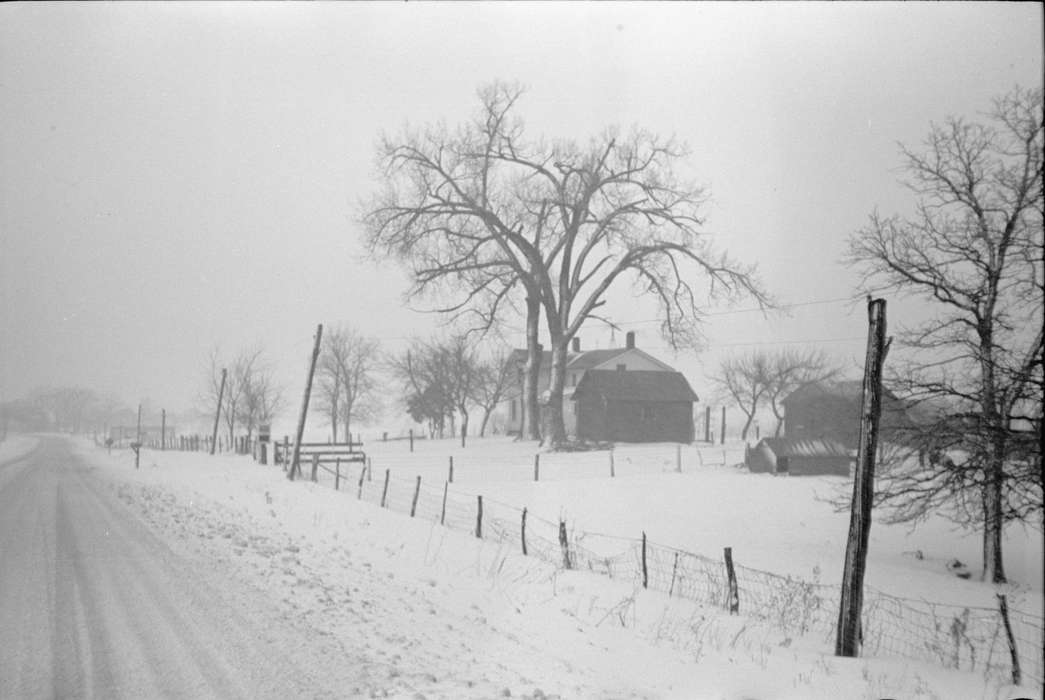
x=629 y=340
x=576 y=344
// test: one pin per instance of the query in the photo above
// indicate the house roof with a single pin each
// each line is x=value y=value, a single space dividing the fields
x=637 y=385
x=805 y=447
x=593 y=358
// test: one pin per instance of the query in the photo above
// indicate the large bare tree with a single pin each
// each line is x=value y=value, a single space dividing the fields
x=488 y=210
x=972 y=248
x=347 y=379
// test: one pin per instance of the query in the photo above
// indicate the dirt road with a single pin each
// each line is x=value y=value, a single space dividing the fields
x=93 y=604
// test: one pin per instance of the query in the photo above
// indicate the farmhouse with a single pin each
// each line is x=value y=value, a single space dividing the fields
x=628 y=359
x=831 y=411
x=634 y=406
x=799 y=457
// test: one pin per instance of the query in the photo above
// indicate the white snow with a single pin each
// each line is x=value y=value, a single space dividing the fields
x=435 y=612
x=15 y=446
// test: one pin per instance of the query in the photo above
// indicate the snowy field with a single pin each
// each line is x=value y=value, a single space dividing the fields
x=15 y=445
x=442 y=614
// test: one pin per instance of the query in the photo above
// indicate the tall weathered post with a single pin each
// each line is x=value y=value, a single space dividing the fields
x=217 y=412
x=847 y=641
x=722 y=439
x=304 y=403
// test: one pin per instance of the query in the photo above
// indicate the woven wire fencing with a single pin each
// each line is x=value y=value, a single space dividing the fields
x=959 y=637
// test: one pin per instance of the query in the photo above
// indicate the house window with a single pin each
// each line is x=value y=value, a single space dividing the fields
x=647 y=413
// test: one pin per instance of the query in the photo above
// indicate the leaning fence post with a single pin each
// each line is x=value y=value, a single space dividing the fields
x=359 y=496
x=674 y=572
x=537 y=467
x=417 y=492
x=733 y=602
x=1003 y=608
x=524 y=531
x=442 y=513
x=384 y=491
x=645 y=571
x=451 y=469
x=564 y=542
x=479 y=519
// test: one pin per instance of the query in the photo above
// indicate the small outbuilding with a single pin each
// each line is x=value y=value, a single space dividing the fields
x=799 y=457
x=634 y=406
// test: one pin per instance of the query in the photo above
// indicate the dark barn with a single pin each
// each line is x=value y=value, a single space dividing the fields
x=832 y=412
x=634 y=406
x=802 y=457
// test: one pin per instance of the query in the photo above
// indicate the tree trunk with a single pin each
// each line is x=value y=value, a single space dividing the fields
x=993 y=567
x=486 y=418
x=531 y=408
x=556 y=424
x=747 y=424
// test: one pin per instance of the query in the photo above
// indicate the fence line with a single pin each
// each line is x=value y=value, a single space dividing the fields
x=959 y=637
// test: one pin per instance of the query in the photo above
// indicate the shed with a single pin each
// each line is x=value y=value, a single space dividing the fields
x=634 y=406
x=831 y=411
x=799 y=457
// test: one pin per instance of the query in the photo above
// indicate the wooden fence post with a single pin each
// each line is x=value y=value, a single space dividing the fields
x=442 y=513
x=678 y=458
x=1003 y=608
x=263 y=449
x=733 y=602
x=479 y=519
x=384 y=491
x=163 y=429
x=524 y=532
x=315 y=467
x=451 y=479
x=674 y=572
x=464 y=431
x=359 y=495
x=723 y=439
x=707 y=424
x=847 y=639
x=417 y=492
x=337 y=474
x=564 y=542
x=369 y=470
x=645 y=571
x=411 y=439
x=537 y=467
x=286 y=452
x=613 y=471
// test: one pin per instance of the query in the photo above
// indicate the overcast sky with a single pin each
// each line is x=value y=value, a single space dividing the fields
x=180 y=176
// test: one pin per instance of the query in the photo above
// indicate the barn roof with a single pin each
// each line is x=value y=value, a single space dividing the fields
x=850 y=389
x=637 y=385
x=805 y=447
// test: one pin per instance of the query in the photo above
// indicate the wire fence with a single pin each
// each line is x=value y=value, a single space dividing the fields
x=959 y=637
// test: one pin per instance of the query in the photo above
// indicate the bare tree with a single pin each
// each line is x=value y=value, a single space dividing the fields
x=489 y=210
x=239 y=379
x=347 y=374
x=261 y=398
x=789 y=370
x=747 y=380
x=494 y=377
x=440 y=377
x=974 y=249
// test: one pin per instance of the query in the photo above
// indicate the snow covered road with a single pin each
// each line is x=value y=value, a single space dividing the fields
x=93 y=604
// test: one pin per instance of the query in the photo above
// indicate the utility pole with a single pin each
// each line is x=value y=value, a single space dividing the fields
x=217 y=413
x=304 y=403
x=848 y=638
